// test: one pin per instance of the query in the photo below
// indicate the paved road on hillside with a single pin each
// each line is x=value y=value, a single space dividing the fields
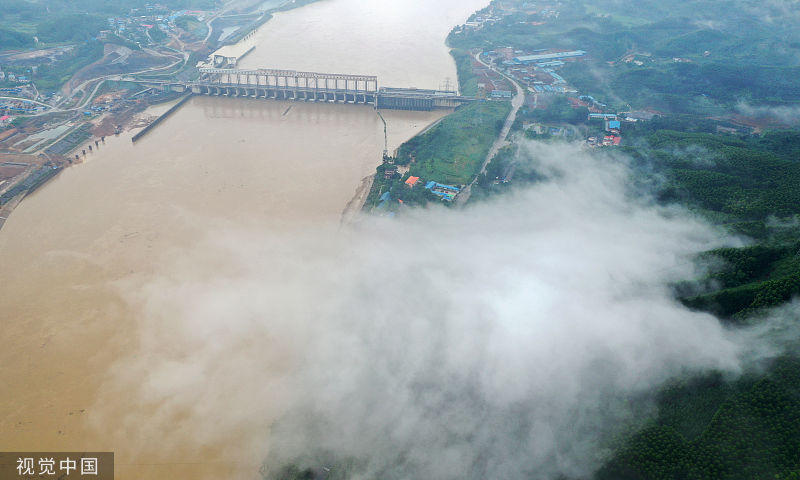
x=516 y=104
x=26 y=100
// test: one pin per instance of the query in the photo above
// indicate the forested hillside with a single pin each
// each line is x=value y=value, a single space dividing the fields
x=695 y=62
x=690 y=57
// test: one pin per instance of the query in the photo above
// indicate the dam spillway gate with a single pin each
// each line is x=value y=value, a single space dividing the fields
x=317 y=87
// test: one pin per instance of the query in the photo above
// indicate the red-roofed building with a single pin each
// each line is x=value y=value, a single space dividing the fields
x=412 y=181
x=576 y=103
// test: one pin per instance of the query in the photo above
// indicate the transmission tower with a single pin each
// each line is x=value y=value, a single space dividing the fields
x=446 y=85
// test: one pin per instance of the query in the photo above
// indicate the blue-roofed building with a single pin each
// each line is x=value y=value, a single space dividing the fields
x=384 y=200
x=554 y=63
x=614 y=125
x=501 y=94
x=528 y=59
x=603 y=115
x=447 y=192
x=558 y=78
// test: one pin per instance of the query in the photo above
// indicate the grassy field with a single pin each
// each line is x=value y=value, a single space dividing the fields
x=192 y=26
x=453 y=151
x=467 y=81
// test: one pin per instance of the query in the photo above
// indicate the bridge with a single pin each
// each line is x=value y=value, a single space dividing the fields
x=312 y=87
x=287 y=85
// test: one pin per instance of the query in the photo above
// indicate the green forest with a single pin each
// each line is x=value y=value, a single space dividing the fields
x=706 y=427
x=730 y=51
x=13 y=39
x=70 y=28
x=709 y=427
x=74 y=21
x=51 y=76
x=695 y=62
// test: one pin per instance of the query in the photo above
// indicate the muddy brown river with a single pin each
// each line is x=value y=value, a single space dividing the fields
x=68 y=250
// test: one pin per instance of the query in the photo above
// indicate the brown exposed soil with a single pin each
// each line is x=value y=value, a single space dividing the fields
x=116 y=61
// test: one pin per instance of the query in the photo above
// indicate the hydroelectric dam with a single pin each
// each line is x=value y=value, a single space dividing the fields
x=273 y=84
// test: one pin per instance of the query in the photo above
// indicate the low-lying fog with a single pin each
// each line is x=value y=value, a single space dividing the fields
x=503 y=340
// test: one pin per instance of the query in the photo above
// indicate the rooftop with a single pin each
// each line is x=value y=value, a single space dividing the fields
x=550 y=56
x=412 y=181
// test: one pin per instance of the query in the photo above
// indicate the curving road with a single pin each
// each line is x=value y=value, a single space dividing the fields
x=103 y=78
x=516 y=104
x=26 y=100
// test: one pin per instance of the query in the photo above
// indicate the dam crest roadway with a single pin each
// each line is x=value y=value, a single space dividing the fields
x=274 y=84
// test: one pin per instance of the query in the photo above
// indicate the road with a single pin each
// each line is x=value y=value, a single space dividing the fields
x=81 y=88
x=103 y=78
x=88 y=98
x=225 y=8
x=502 y=139
x=87 y=83
x=180 y=56
x=26 y=100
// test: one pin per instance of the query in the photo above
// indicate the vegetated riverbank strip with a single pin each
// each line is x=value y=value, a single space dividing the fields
x=449 y=154
x=365 y=188
x=435 y=168
x=516 y=104
x=161 y=118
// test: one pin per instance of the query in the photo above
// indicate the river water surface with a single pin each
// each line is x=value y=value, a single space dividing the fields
x=244 y=163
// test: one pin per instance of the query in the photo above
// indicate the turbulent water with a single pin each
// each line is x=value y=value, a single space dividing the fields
x=69 y=251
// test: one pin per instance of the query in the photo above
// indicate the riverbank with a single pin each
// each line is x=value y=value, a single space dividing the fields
x=356 y=205
x=247 y=32
x=446 y=165
x=449 y=153
x=84 y=250
x=161 y=118
x=72 y=148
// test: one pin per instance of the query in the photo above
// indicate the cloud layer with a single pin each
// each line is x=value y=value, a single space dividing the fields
x=785 y=114
x=499 y=341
